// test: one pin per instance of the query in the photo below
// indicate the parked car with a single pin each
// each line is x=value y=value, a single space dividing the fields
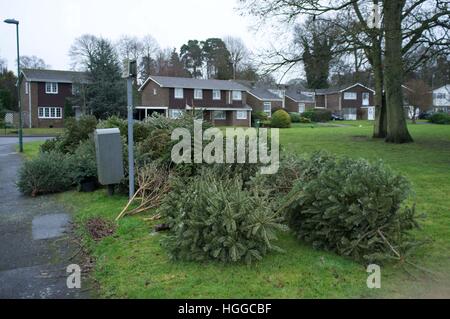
x=337 y=117
x=424 y=115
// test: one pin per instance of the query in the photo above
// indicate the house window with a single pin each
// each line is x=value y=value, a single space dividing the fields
x=350 y=96
x=241 y=115
x=220 y=115
x=198 y=94
x=365 y=99
x=50 y=112
x=51 y=88
x=440 y=96
x=268 y=108
x=237 y=95
x=178 y=93
x=216 y=95
x=301 y=108
x=155 y=92
x=27 y=87
x=175 y=114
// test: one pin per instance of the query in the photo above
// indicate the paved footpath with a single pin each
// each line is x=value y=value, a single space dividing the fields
x=34 y=244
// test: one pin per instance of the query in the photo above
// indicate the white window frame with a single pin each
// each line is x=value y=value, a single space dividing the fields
x=268 y=112
x=368 y=98
x=175 y=113
x=177 y=93
x=155 y=92
x=350 y=96
x=441 y=96
x=241 y=115
x=217 y=95
x=51 y=87
x=47 y=112
x=217 y=115
x=236 y=95
x=198 y=94
x=27 y=87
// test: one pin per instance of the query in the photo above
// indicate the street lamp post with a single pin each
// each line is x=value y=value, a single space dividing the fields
x=12 y=21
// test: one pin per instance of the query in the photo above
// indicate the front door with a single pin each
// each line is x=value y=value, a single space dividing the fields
x=371 y=113
x=301 y=108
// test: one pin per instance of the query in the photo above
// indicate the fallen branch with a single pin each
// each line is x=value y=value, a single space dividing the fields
x=153 y=185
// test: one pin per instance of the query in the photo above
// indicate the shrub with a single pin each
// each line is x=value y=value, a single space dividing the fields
x=259 y=116
x=83 y=162
x=305 y=120
x=295 y=117
x=280 y=119
x=280 y=184
x=350 y=207
x=440 y=118
x=212 y=218
x=140 y=130
x=51 y=145
x=47 y=173
x=318 y=115
x=114 y=122
x=75 y=131
x=156 y=147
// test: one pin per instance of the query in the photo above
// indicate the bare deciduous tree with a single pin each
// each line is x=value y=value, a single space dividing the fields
x=82 y=51
x=238 y=52
x=32 y=62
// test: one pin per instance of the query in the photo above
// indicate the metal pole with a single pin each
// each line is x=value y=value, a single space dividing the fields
x=130 y=136
x=18 y=92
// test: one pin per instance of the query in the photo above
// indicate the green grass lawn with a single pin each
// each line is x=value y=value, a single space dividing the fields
x=132 y=263
x=30 y=149
x=32 y=131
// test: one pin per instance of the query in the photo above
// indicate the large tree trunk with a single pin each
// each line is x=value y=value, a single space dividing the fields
x=397 y=130
x=380 y=126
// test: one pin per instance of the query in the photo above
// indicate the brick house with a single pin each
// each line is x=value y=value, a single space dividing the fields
x=263 y=100
x=223 y=103
x=355 y=102
x=298 y=100
x=441 y=99
x=44 y=93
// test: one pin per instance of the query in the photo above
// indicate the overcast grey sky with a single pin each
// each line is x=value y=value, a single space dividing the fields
x=48 y=27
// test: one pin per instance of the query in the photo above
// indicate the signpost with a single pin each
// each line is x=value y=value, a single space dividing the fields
x=130 y=72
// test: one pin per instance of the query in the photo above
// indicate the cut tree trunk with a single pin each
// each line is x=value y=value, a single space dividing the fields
x=397 y=129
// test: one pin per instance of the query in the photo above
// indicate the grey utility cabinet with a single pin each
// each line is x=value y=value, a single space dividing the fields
x=108 y=148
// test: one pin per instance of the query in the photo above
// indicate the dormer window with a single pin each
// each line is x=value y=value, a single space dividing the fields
x=198 y=94
x=178 y=93
x=237 y=95
x=51 y=88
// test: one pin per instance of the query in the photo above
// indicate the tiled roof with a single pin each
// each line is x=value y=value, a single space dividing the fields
x=41 y=75
x=297 y=95
x=264 y=94
x=189 y=83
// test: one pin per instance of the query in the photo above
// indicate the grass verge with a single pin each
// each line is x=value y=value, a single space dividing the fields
x=132 y=264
